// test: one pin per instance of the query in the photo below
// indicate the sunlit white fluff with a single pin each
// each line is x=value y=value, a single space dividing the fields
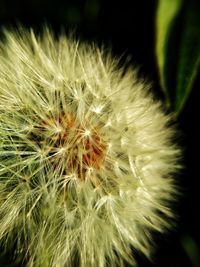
x=61 y=205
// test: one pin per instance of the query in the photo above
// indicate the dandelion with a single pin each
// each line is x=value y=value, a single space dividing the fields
x=86 y=155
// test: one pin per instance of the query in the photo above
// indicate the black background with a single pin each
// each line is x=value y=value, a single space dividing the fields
x=129 y=28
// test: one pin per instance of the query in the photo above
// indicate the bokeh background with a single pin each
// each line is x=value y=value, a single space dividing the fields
x=128 y=27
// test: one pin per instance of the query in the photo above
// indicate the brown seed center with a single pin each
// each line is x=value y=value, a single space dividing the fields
x=82 y=147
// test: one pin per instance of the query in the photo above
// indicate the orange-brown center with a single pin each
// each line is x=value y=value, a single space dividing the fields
x=83 y=146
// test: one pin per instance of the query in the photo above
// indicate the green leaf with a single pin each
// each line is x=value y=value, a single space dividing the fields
x=177 y=49
x=167 y=11
x=189 y=57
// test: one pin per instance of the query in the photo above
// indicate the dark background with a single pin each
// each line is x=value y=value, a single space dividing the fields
x=129 y=28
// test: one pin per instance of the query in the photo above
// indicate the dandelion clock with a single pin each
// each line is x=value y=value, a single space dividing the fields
x=87 y=157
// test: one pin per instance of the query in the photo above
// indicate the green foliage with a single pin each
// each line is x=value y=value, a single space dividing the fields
x=191 y=248
x=177 y=49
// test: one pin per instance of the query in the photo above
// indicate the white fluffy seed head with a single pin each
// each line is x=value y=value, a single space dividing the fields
x=86 y=155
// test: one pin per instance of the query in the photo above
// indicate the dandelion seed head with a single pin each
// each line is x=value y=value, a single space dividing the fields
x=87 y=157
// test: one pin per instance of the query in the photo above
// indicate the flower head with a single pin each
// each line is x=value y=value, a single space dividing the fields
x=86 y=155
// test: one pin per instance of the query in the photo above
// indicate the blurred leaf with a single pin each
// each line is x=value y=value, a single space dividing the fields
x=177 y=49
x=191 y=249
x=91 y=9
